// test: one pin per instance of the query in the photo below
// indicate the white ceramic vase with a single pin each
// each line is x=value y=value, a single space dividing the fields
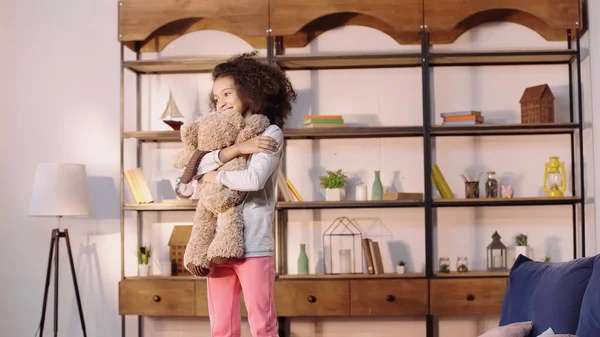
x=334 y=194
x=520 y=250
x=143 y=269
x=400 y=269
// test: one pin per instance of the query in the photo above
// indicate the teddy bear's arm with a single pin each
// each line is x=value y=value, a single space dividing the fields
x=192 y=166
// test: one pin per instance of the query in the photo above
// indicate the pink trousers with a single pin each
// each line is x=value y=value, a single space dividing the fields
x=255 y=276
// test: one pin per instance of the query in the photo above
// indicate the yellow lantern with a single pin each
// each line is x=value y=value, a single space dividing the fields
x=555 y=181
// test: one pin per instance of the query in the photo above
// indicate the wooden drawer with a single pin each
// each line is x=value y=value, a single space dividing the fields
x=148 y=297
x=388 y=297
x=312 y=298
x=457 y=297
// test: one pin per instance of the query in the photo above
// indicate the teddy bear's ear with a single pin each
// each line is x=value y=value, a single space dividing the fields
x=189 y=137
x=182 y=158
x=189 y=134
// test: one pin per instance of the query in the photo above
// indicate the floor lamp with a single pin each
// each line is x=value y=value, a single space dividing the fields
x=60 y=190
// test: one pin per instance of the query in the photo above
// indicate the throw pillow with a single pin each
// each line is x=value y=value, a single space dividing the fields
x=519 y=329
x=589 y=317
x=549 y=294
x=548 y=332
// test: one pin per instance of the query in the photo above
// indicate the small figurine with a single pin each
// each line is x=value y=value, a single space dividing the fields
x=506 y=191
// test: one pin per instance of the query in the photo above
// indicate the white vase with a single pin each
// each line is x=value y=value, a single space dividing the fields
x=334 y=194
x=400 y=269
x=143 y=269
x=520 y=250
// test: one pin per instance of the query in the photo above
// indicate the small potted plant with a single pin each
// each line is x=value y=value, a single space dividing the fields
x=521 y=247
x=143 y=256
x=400 y=267
x=334 y=183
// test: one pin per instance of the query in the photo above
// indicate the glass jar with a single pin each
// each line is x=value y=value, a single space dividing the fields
x=462 y=264
x=491 y=185
x=444 y=264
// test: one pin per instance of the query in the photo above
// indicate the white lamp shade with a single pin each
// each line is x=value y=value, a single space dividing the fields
x=60 y=189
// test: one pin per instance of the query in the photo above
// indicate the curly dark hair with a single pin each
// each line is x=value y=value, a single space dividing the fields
x=263 y=88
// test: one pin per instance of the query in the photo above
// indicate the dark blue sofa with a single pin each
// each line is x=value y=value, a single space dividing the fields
x=564 y=296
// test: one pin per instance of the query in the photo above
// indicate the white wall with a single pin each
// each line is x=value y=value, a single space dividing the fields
x=60 y=99
x=70 y=104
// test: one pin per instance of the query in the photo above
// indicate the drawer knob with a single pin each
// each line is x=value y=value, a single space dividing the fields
x=312 y=299
x=156 y=298
x=390 y=298
x=470 y=297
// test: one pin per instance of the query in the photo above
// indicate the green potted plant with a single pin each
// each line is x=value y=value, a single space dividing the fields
x=334 y=183
x=521 y=247
x=400 y=267
x=143 y=256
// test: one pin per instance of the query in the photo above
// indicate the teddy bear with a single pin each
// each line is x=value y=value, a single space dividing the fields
x=216 y=203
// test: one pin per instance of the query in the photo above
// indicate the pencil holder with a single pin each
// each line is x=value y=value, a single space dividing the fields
x=471 y=189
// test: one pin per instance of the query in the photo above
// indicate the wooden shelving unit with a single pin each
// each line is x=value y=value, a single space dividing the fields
x=148 y=26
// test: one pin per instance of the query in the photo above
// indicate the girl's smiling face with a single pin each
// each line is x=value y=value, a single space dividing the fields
x=226 y=96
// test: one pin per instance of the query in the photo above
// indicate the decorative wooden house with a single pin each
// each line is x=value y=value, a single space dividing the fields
x=177 y=243
x=537 y=105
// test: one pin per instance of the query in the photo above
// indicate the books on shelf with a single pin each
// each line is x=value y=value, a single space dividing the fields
x=287 y=191
x=324 y=121
x=440 y=183
x=138 y=186
x=372 y=256
x=469 y=117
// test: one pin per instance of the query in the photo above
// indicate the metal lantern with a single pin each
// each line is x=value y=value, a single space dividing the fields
x=342 y=247
x=496 y=254
x=555 y=180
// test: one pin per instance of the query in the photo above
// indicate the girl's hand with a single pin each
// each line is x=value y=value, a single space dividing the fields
x=258 y=144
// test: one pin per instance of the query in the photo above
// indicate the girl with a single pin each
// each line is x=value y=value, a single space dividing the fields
x=249 y=86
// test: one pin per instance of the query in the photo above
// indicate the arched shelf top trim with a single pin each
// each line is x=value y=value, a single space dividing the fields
x=161 y=37
x=151 y=24
x=322 y=24
x=400 y=19
x=549 y=18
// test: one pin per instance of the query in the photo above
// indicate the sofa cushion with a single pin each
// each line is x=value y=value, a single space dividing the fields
x=548 y=332
x=589 y=316
x=549 y=294
x=519 y=329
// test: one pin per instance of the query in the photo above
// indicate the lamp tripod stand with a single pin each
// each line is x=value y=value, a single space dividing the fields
x=55 y=240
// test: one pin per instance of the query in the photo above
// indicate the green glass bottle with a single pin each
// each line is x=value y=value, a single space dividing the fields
x=302 y=261
x=377 y=189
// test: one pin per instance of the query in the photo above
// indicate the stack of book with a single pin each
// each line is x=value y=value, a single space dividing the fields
x=324 y=121
x=462 y=118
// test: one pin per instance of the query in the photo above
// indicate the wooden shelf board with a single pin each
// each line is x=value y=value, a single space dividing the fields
x=353 y=132
x=161 y=207
x=154 y=136
x=502 y=57
x=299 y=133
x=475 y=273
x=347 y=204
x=175 y=66
x=523 y=201
x=503 y=129
x=341 y=61
x=351 y=276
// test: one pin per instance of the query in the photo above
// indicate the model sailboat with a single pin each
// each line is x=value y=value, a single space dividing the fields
x=171 y=116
